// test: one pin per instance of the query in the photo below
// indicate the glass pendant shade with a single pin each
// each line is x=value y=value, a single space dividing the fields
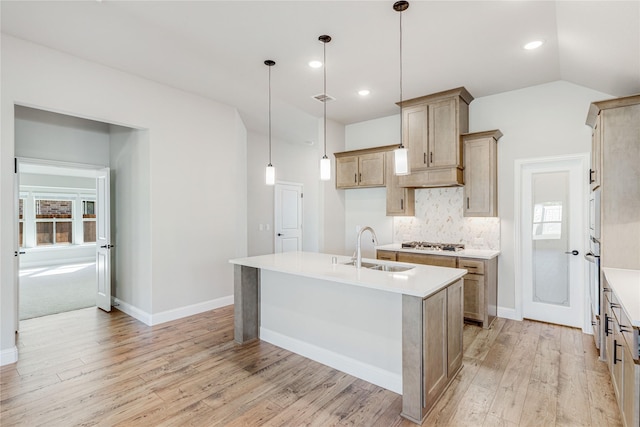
x=270 y=175
x=325 y=168
x=401 y=161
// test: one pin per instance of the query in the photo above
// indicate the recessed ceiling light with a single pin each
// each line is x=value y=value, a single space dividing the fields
x=364 y=92
x=533 y=44
x=315 y=64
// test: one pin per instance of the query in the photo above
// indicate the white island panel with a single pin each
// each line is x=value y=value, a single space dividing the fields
x=353 y=329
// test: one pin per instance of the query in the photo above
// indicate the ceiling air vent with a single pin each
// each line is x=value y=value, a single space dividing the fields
x=323 y=97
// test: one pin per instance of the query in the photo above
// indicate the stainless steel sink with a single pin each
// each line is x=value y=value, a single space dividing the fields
x=381 y=267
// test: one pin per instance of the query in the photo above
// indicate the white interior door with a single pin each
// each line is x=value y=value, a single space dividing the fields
x=288 y=217
x=103 y=240
x=552 y=241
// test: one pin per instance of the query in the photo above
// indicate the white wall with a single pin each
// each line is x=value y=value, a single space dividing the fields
x=332 y=214
x=130 y=217
x=539 y=121
x=197 y=150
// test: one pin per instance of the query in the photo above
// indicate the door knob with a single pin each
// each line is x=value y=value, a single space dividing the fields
x=573 y=252
x=279 y=234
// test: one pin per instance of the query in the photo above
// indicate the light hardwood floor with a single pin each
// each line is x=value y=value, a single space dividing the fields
x=93 y=368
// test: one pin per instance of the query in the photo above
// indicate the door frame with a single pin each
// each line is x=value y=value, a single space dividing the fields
x=91 y=170
x=519 y=165
x=276 y=207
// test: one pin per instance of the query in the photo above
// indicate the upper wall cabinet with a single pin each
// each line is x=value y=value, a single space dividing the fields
x=481 y=173
x=432 y=126
x=361 y=168
x=400 y=200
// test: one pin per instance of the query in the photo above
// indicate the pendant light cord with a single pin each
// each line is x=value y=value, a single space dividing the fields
x=269 y=115
x=401 y=115
x=324 y=104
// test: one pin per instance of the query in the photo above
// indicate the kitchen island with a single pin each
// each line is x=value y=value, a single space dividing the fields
x=398 y=326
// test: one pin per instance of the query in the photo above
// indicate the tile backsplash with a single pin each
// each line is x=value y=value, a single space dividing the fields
x=439 y=218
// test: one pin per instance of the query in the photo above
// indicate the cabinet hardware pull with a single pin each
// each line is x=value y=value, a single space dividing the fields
x=431 y=157
x=623 y=328
x=424 y=158
x=467 y=203
x=591 y=180
x=615 y=352
x=360 y=177
x=593 y=323
x=606 y=324
x=614 y=305
x=355 y=178
x=401 y=204
x=606 y=290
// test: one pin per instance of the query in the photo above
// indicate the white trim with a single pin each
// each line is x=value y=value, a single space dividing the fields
x=9 y=356
x=584 y=158
x=369 y=373
x=132 y=311
x=174 y=314
x=509 y=313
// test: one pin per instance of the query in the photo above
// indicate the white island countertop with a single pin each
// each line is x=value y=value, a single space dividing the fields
x=420 y=281
x=465 y=253
x=626 y=285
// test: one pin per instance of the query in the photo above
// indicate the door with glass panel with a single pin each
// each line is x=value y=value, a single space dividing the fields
x=552 y=239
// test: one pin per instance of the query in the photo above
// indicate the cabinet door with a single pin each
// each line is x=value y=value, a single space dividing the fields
x=631 y=389
x=386 y=255
x=474 y=297
x=596 y=153
x=415 y=134
x=444 y=137
x=437 y=260
x=371 y=169
x=435 y=361
x=347 y=172
x=454 y=328
x=400 y=200
x=480 y=177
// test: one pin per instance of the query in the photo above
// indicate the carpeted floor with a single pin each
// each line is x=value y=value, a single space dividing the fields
x=56 y=289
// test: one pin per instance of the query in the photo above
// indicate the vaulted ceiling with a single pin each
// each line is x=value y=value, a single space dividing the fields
x=217 y=49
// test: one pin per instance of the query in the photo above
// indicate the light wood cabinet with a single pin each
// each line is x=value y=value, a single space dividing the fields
x=621 y=354
x=432 y=348
x=432 y=126
x=480 y=297
x=400 y=200
x=616 y=158
x=481 y=173
x=364 y=170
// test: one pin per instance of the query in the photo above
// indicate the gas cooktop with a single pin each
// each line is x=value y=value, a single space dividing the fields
x=430 y=246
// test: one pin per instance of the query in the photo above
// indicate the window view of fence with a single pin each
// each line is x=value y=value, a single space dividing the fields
x=54 y=222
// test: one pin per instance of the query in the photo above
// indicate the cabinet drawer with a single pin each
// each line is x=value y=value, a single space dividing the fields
x=386 y=255
x=629 y=333
x=440 y=261
x=472 y=266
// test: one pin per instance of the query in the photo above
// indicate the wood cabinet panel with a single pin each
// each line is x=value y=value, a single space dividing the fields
x=474 y=297
x=455 y=325
x=441 y=261
x=444 y=137
x=386 y=255
x=347 y=172
x=371 y=170
x=481 y=173
x=415 y=133
x=400 y=200
x=435 y=348
x=596 y=154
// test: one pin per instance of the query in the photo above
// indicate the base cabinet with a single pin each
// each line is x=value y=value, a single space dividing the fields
x=480 y=299
x=621 y=353
x=431 y=348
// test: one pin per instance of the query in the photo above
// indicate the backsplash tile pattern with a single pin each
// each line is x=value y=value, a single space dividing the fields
x=439 y=218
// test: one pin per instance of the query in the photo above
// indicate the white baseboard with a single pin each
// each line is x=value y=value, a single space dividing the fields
x=508 y=313
x=369 y=373
x=190 y=310
x=174 y=314
x=9 y=356
x=132 y=311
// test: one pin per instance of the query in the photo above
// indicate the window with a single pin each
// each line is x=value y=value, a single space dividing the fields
x=89 y=221
x=547 y=221
x=54 y=222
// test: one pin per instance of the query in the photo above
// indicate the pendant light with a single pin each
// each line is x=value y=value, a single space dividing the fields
x=270 y=173
x=401 y=154
x=325 y=162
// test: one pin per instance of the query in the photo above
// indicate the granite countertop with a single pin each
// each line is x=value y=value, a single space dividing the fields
x=419 y=280
x=626 y=285
x=466 y=253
